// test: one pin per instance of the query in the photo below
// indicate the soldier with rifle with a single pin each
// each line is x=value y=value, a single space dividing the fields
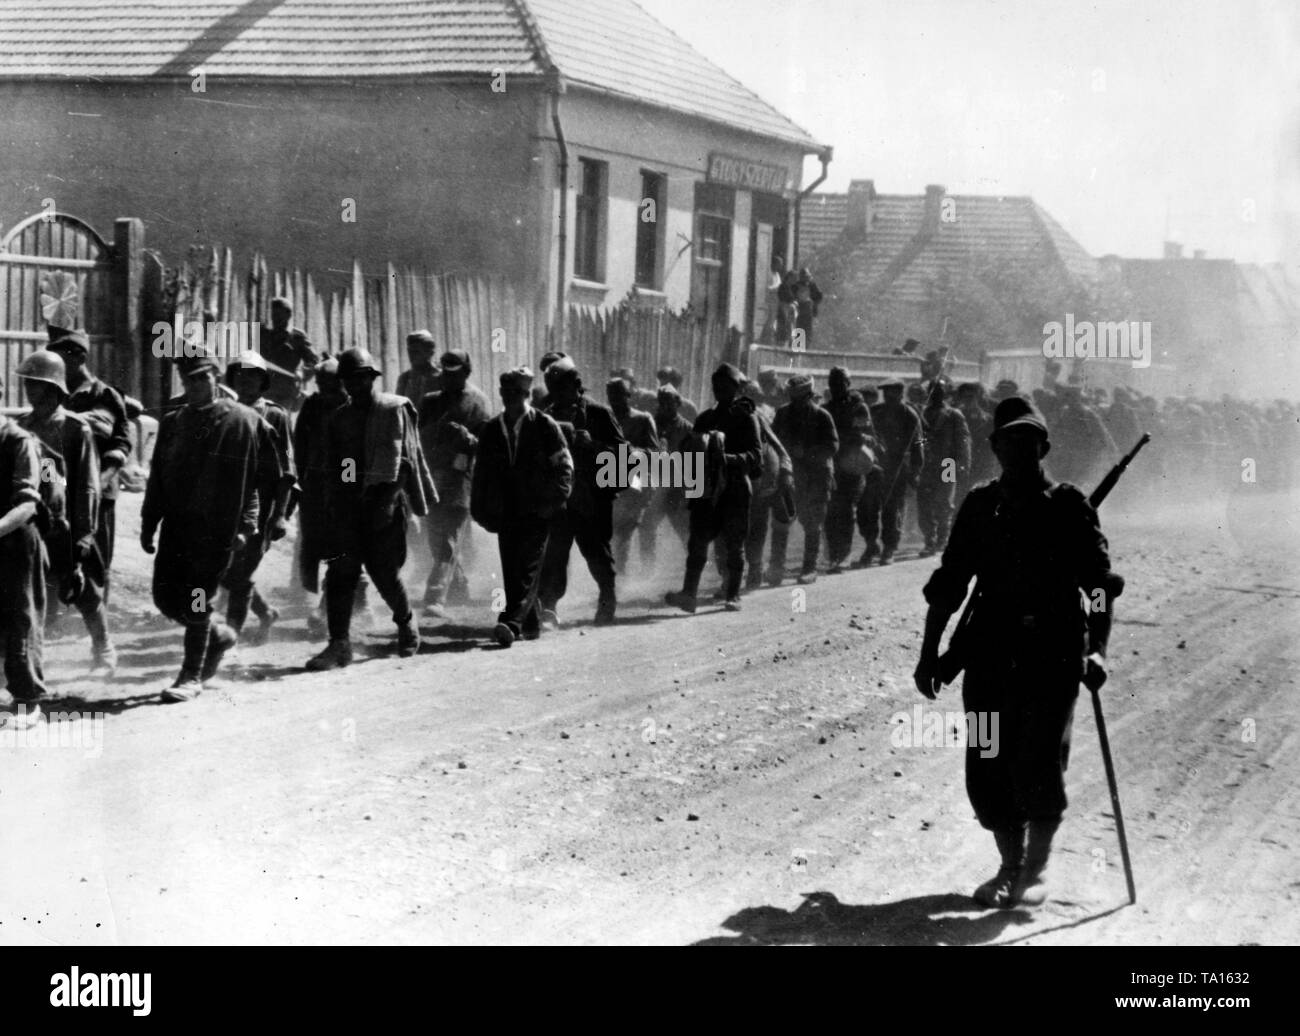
x=1038 y=554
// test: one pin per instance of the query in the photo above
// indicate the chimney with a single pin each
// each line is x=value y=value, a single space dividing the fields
x=862 y=197
x=1199 y=253
x=1173 y=250
x=934 y=195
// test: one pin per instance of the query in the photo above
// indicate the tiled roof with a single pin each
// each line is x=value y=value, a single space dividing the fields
x=895 y=259
x=610 y=45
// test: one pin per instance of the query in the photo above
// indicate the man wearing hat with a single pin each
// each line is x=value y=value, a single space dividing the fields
x=898 y=431
x=667 y=502
x=630 y=506
x=523 y=474
x=422 y=377
x=728 y=434
x=105 y=409
x=290 y=353
x=947 y=465
x=808 y=433
x=1038 y=553
x=76 y=573
x=22 y=576
x=450 y=422
x=381 y=481
x=672 y=376
x=249 y=376
x=213 y=461
x=853 y=463
x=588 y=518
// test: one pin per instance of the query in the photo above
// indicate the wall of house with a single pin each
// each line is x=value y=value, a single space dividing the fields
x=446 y=176
x=631 y=138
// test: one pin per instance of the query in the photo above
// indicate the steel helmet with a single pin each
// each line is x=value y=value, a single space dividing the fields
x=45 y=366
x=356 y=361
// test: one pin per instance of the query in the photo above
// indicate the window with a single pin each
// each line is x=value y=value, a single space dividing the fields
x=650 y=216
x=588 y=262
x=712 y=267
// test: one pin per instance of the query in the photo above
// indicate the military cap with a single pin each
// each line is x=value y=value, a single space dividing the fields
x=456 y=360
x=356 y=361
x=192 y=365
x=518 y=377
x=62 y=339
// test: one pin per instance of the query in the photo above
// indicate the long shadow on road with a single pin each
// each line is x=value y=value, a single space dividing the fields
x=822 y=920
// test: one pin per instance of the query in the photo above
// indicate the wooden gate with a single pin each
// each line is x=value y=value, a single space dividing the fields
x=55 y=269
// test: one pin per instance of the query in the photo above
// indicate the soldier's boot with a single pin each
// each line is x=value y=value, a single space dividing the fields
x=996 y=892
x=686 y=597
x=408 y=638
x=1031 y=884
x=606 y=605
x=336 y=655
x=221 y=638
x=267 y=616
x=189 y=684
x=103 y=655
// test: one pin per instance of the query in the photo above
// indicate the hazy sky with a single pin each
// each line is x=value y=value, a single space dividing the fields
x=1126 y=119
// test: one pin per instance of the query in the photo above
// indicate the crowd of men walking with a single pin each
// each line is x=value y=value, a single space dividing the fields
x=243 y=451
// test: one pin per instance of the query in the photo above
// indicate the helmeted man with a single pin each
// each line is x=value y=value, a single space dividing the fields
x=588 y=518
x=290 y=354
x=728 y=435
x=853 y=463
x=808 y=433
x=946 y=466
x=22 y=576
x=422 y=377
x=630 y=506
x=213 y=461
x=523 y=473
x=105 y=408
x=898 y=431
x=1037 y=552
x=450 y=422
x=76 y=569
x=379 y=481
x=248 y=375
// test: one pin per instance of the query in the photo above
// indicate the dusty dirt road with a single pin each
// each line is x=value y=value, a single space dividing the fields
x=718 y=778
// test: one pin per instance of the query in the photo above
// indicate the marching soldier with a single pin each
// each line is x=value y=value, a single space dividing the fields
x=422 y=377
x=947 y=464
x=1033 y=545
x=22 y=576
x=290 y=354
x=311 y=453
x=853 y=462
x=105 y=409
x=667 y=502
x=808 y=433
x=378 y=480
x=630 y=505
x=522 y=476
x=728 y=433
x=588 y=517
x=213 y=460
x=880 y=515
x=250 y=378
x=450 y=422
x=76 y=570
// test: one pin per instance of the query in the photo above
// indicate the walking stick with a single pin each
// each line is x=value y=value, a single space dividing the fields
x=1114 y=792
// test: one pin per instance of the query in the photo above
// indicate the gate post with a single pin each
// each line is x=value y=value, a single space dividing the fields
x=128 y=280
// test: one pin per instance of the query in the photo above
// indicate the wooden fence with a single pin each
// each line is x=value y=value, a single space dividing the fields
x=499 y=325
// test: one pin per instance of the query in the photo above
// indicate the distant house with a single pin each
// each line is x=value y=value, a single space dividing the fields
x=963 y=270
x=1230 y=327
x=581 y=149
